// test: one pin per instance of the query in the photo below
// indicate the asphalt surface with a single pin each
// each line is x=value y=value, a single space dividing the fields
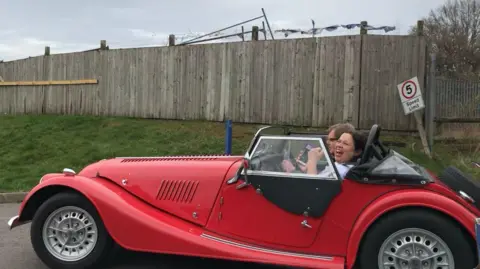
x=16 y=252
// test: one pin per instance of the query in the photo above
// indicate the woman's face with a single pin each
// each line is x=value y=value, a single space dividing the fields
x=345 y=149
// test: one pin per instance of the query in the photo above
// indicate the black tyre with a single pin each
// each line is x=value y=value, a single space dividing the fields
x=424 y=239
x=68 y=233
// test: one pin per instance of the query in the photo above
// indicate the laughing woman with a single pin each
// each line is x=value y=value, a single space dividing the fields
x=348 y=149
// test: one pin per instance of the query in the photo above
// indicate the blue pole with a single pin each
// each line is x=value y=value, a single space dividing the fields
x=228 y=137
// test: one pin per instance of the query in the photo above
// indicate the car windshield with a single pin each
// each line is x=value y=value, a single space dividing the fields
x=288 y=156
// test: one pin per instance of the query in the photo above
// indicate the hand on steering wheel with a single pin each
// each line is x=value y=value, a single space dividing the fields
x=292 y=164
x=299 y=164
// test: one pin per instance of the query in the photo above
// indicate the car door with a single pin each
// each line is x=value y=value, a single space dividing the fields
x=277 y=207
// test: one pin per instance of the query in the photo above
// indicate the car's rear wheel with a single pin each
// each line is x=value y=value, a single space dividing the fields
x=415 y=238
x=67 y=232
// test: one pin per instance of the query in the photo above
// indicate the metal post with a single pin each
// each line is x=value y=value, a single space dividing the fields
x=264 y=30
x=228 y=137
x=430 y=113
x=268 y=24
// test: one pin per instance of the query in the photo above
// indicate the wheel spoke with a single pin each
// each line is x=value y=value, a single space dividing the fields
x=396 y=256
x=434 y=255
x=413 y=242
x=56 y=229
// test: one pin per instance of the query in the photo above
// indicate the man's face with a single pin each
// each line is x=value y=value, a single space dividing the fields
x=331 y=140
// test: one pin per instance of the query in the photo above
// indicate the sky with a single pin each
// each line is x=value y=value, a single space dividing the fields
x=27 y=26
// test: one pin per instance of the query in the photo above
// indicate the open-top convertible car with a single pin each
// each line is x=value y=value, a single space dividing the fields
x=387 y=212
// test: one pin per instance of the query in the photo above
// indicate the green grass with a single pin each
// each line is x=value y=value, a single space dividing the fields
x=31 y=146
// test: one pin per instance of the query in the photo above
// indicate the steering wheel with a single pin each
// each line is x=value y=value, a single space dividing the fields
x=267 y=162
x=371 y=146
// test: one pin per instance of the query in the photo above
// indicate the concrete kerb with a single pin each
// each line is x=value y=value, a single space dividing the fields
x=12 y=197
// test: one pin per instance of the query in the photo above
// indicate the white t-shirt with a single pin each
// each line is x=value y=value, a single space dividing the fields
x=342 y=169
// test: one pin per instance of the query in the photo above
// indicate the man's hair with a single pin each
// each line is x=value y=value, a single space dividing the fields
x=341 y=128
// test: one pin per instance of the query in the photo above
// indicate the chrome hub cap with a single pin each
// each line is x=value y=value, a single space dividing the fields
x=415 y=249
x=70 y=233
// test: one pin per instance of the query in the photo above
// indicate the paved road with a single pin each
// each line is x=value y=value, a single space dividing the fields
x=16 y=252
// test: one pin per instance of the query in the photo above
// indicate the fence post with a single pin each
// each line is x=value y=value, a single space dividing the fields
x=103 y=44
x=228 y=137
x=431 y=102
x=363 y=32
x=47 y=51
x=363 y=29
x=255 y=33
x=171 y=40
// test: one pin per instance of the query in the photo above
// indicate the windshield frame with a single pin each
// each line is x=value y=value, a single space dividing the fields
x=253 y=143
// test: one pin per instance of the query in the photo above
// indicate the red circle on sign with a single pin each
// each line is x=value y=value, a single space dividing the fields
x=414 y=89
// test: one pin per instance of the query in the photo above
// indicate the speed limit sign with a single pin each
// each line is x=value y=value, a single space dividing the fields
x=409 y=89
x=410 y=95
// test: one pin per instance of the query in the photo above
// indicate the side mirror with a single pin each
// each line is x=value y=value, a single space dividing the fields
x=246 y=165
x=243 y=167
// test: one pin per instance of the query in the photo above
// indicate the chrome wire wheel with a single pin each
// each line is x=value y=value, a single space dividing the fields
x=415 y=248
x=70 y=234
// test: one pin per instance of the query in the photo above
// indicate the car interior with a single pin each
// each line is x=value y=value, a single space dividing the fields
x=374 y=154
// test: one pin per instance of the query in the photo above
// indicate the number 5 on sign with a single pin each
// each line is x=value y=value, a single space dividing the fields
x=410 y=95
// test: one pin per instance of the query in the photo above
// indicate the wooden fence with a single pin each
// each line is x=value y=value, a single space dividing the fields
x=308 y=81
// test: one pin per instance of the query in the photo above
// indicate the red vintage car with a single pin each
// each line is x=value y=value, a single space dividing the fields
x=388 y=212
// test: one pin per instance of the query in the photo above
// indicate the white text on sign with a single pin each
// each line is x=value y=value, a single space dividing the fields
x=413 y=105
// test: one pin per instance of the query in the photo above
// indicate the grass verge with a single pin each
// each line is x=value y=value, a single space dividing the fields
x=31 y=146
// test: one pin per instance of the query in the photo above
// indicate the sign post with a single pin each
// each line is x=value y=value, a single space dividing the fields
x=412 y=102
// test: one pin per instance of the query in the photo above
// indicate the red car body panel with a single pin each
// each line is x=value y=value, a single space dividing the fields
x=182 y=186
x=153 y=211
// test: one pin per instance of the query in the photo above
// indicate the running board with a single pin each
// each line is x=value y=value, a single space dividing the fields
x=278 y=257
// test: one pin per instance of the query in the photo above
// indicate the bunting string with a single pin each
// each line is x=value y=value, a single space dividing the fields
x=331 y=28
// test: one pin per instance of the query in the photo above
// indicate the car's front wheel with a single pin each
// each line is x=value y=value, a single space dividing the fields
x=67 y=232
x=416 y=238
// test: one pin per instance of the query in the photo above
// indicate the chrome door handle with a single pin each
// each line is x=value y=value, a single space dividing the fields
x=242 y=185
x=305 y=224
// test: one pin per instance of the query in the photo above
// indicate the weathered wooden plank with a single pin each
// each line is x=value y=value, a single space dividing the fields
x=351 y=90
x=268 y=87
x=318 y=107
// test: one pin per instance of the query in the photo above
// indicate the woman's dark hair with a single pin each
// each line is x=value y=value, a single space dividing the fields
x=359 y=141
